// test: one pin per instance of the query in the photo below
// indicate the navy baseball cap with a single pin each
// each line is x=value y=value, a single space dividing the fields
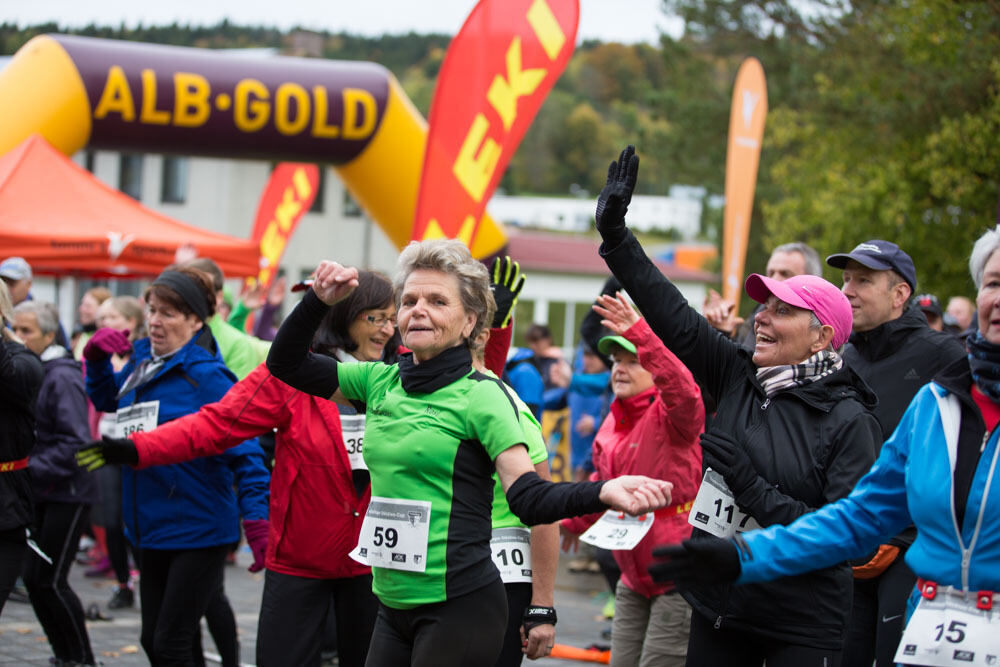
x=880 y=256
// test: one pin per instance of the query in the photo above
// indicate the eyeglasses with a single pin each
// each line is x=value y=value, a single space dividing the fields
x=379 y=321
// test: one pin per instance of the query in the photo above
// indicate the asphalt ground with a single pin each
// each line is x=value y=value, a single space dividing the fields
x=579 y=599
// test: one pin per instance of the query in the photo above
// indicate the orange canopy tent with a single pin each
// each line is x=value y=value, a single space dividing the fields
x=64 y=221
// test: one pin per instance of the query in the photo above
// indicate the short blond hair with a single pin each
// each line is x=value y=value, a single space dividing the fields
x=452 y=257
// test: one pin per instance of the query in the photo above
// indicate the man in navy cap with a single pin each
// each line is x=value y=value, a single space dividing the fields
x=896 y=352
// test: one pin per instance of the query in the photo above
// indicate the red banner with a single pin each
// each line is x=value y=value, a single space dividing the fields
x=288 y=195
x=746 y=132
x=497 y=72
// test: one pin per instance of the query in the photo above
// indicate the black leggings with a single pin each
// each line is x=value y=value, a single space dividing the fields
x=708 y=647
x=293 y=613
x=466 y=630
x=57 y=533
x=175 y=588
x=222 y=627
x=877 y=616
x=110 y=480
x=12 y=548
x=518 y=598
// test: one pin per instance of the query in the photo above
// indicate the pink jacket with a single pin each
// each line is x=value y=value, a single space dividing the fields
x=654 y=433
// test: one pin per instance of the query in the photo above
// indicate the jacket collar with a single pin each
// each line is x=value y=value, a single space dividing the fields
x=628 y=411
x=888 y=337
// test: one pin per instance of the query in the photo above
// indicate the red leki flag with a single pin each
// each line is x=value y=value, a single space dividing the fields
x=288 y=195
x=497 y=72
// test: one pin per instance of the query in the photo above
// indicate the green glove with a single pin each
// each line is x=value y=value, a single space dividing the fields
x=107 y=450
x=506 y=282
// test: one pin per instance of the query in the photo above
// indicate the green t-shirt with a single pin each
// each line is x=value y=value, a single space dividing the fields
x=502 y=516
x=241 y=351
x=437 y=447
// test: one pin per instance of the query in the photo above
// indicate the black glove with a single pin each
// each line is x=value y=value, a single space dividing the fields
x=615 y=197
x=108 y=450
x=727 y=458
x=506 y=286
x=707 y=560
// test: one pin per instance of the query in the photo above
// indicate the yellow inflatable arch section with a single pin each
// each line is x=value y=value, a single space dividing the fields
x=82 y=92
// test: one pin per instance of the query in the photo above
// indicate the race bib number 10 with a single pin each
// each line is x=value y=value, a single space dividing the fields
x=949 y=631
x=715 y=510
x=618 y=531
x=511 y=550
x=394 y=534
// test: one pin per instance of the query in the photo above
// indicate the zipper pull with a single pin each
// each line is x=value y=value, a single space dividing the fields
x=763 y=406
x=718 y=622
x=986 y=437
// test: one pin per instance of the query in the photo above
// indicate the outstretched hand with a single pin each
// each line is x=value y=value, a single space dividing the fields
x=612 y=203
x=618 y=316
x=721 y=313
x=107 y=450
x=709 y=560
x=333 y=282
x=506 y=282
x=636 y=494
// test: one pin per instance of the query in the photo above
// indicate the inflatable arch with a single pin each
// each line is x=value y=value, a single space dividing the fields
x=81 y=92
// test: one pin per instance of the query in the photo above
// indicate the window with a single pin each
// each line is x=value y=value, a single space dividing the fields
x=88 y=161
x=174 y=179
x=317 y=205
x=350 y=207
x=130 y=175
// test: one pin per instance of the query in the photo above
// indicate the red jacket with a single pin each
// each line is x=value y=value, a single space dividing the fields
x=654 y=433
x=315 y=514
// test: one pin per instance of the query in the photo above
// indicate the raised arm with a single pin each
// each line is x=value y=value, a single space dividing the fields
x=709 y=354
x=290 y=359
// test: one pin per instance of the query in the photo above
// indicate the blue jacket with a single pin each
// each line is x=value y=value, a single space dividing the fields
x=911 y=482
x=61 y=428
x=185 y=505
x=526 y=381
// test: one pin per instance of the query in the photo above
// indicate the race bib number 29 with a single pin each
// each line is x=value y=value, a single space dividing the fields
x=394 y=534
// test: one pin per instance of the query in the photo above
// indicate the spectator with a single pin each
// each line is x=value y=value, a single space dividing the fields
x=87 y=314
x=63 y=491
x=895 y=351
x=16 y=274
x=544 y=355
x=963 y=310
x=21 y=376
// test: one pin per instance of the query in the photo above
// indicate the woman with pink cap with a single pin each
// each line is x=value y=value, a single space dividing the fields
x=792 y=432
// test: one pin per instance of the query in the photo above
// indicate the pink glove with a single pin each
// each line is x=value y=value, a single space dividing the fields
x=256 y=532
x=106 y=342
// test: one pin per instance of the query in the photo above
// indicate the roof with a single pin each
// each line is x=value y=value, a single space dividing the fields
x=556 y=253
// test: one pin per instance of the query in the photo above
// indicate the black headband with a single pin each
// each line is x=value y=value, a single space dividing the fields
x=187 y=289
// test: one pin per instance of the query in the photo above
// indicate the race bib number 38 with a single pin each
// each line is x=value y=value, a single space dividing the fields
x=353 y=428
x=137 y=417
x=715 y=510
x=394 y=534
x=949 y=631
x=618 y=531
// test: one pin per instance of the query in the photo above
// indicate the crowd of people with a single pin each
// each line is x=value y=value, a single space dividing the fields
x=812 y=484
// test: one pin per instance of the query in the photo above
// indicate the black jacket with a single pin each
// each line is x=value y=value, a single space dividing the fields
x=898 y=358
x=809 y=445
x=62 y=428
x=20 y=378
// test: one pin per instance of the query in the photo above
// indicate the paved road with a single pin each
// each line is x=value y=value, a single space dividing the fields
x=579 y=598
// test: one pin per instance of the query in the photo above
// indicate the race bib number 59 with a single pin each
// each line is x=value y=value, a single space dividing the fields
x=394 y=534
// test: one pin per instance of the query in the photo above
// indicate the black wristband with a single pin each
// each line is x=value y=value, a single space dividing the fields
x=535 y=616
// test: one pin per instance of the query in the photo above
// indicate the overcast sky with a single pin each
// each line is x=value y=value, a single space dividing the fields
x=606 y=20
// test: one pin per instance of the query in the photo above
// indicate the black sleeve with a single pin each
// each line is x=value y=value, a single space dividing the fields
x=710 y=355
x=20 y=375
x=535 y=501
x=290 y=359
x=591 y=330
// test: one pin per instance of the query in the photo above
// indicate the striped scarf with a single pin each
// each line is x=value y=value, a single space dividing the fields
x=779 y=378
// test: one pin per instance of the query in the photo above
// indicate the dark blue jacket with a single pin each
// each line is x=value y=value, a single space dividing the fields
x=186 y=505
x=61 y=429
x=20 y=378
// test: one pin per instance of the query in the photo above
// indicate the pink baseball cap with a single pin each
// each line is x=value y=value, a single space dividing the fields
x=812 y=293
